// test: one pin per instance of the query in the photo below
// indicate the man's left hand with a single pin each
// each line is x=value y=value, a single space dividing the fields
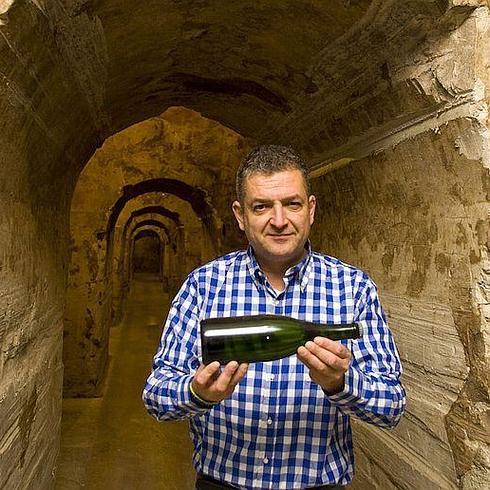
x=328 y=361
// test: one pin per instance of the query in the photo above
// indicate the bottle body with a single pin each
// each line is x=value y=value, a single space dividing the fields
x=261 y=338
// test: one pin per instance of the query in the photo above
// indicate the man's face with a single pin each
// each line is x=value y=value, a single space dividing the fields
x=276 y=216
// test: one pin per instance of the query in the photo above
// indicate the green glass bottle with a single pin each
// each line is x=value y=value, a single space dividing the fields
x=261 y=338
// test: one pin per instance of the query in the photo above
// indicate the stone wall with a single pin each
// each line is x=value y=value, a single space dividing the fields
x=417 y=221
x=36 y=133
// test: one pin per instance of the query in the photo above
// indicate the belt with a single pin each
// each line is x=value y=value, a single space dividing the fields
x=205 y=482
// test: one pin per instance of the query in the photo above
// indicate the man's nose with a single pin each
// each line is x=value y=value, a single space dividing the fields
x=279 y=219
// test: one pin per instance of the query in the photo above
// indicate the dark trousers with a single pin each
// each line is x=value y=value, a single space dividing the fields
x=207 y=483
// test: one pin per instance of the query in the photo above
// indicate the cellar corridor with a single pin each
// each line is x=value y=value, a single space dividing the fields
x=111 y=442
x=122 y=126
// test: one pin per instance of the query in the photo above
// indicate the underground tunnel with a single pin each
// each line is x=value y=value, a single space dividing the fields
x=121 y=132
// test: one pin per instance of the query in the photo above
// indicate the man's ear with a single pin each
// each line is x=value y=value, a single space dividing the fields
x=312 y=206
x=238 y=212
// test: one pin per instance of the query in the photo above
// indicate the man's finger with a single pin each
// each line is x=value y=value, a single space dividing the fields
x=208 y=374
x=333 y=346
x=224 y=379
x=310 y=360
x=334 y=362
x=239 y=374
x=326 y=357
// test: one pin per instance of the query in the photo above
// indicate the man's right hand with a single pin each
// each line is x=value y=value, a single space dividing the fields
x=213 y=384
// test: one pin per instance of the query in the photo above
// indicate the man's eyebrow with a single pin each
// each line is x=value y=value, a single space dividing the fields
x=284 y=199
x=293 y=197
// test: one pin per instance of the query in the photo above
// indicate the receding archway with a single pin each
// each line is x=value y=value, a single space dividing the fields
x=121 y=277
x=178 y=171
x=86 y=356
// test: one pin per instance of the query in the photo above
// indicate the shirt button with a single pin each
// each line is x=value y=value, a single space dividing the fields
x=266 y=460
x=271 y=377
x=269 y=421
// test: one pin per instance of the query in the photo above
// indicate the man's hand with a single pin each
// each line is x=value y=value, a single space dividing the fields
x=214 y=385
x=328 y=361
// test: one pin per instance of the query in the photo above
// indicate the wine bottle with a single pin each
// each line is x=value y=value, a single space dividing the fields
x=260 y=338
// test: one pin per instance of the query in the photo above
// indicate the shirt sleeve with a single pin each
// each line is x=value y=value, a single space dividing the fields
x=166 y=394
x=372 y=391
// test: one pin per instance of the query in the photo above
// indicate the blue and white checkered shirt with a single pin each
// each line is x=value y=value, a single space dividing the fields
x=279 y=430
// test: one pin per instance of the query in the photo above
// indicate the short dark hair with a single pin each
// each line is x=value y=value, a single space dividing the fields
x=269 y=159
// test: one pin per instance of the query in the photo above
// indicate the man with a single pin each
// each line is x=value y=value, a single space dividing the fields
x=282 y=424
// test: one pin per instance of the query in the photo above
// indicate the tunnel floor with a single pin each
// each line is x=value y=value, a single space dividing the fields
x=111 y=442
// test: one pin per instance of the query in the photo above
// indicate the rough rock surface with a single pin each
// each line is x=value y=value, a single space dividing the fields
x=388 y=99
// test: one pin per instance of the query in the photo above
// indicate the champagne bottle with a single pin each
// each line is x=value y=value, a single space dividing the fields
x=260 y=338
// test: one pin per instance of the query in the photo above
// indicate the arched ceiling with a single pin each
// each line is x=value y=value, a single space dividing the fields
x=151 y=222
x=137 y=233
x=237 y=61
x=161 y=210
x=147 y=233
x=256 y=65
x=251 y=55
x=309 y=73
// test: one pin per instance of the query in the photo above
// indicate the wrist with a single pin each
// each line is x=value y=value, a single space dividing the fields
x=334 y=389
x=198 y=400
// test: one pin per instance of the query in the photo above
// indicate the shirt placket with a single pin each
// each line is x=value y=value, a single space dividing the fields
x=266 y=422
x=264 y=453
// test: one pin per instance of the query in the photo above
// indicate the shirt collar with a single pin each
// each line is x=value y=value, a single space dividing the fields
x=301 y=270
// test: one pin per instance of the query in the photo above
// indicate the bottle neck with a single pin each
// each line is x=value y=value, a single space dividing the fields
x=334 y=332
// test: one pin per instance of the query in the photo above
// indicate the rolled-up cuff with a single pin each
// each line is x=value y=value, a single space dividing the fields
x=198 y=400
x=353 y=389
x=185 y=399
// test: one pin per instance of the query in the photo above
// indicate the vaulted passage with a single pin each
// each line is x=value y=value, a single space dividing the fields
x=121 y=132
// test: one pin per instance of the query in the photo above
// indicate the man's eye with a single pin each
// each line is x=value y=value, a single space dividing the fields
x=295 y=205
x=259 y=207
